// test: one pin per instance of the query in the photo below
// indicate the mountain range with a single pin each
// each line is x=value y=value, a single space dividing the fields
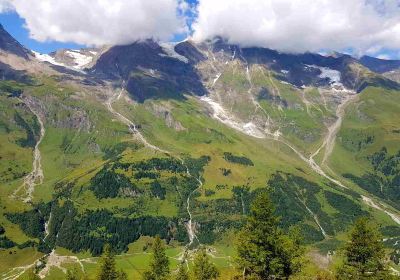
x=121 y=143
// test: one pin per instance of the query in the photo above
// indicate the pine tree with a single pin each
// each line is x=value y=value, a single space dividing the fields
x=364 y=255
x=182 y=272
x=121 y=275
x=72 y=275
x=159 y=265
x=264 y=251
x=107 y=265
x=203 y=268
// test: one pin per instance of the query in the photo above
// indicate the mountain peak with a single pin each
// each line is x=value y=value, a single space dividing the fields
x=10 y=45
x=379 y=65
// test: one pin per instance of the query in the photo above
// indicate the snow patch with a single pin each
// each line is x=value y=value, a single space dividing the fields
x=169 y=49
x=331 y=74
x=216 y=78
x=223 y=116
x=80 y=59
x=47 y=58
x=334 y=76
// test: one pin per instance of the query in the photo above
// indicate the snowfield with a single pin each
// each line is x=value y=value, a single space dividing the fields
x=80 y=60
x=219 y=113
x=47 y=58
x=169 y=49
x=334 y=76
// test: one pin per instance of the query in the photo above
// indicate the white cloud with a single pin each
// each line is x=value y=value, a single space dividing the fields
x=101 y=22
x=365 y=26
x=5 y=6
x=383 y=56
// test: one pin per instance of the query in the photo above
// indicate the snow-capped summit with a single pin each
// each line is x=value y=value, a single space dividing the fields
x=72 y=59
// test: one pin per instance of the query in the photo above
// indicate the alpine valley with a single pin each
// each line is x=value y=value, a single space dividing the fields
x=116 y=145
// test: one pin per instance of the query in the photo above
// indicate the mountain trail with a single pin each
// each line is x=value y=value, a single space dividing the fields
x=220 y=114
x=35 y=177
x=250 y=92
x=308 y=103
x=55 y=260
x=16 y=272
x=275 y=88
x=190 y=224
x=372 y=204
x=132 y=127
x=329 y=139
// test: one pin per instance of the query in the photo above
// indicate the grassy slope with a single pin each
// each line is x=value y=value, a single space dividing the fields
x=203 y=136
x=375 y=114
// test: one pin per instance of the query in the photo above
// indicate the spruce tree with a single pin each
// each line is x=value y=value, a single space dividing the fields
x=121 y=275
x=72 y=275
x=264 y=251
x=203 y=268
x=364 y=254
x=182 y=272
x=159 y=265
x=107 y=265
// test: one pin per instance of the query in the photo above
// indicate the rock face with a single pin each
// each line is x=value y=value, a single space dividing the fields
x=188 y=50
x=74 y=118
x=164 y=113
x=77 y=59
x=148 y=71
x=10 y=45
x=394 y=75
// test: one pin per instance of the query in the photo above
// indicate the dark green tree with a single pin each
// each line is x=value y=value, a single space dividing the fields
x=182 y=272
x=72 y=275
x=203 y=268
x=264 y=250
x=364 y=254
x=121 y=275
x=107 y=269
x=159 y=265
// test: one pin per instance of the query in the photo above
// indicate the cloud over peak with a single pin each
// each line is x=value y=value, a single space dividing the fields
x=355 y=26
x=101 y=22
x=365 y=26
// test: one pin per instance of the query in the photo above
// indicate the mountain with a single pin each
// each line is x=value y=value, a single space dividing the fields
x=75 y=60
x=379 y=65
x=149 y=70
x=10 y=45
x=120 y=144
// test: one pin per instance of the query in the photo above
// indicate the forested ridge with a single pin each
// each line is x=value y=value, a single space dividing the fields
x=264 y=251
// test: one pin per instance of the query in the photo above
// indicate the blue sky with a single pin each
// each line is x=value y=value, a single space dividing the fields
x=15 y=26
